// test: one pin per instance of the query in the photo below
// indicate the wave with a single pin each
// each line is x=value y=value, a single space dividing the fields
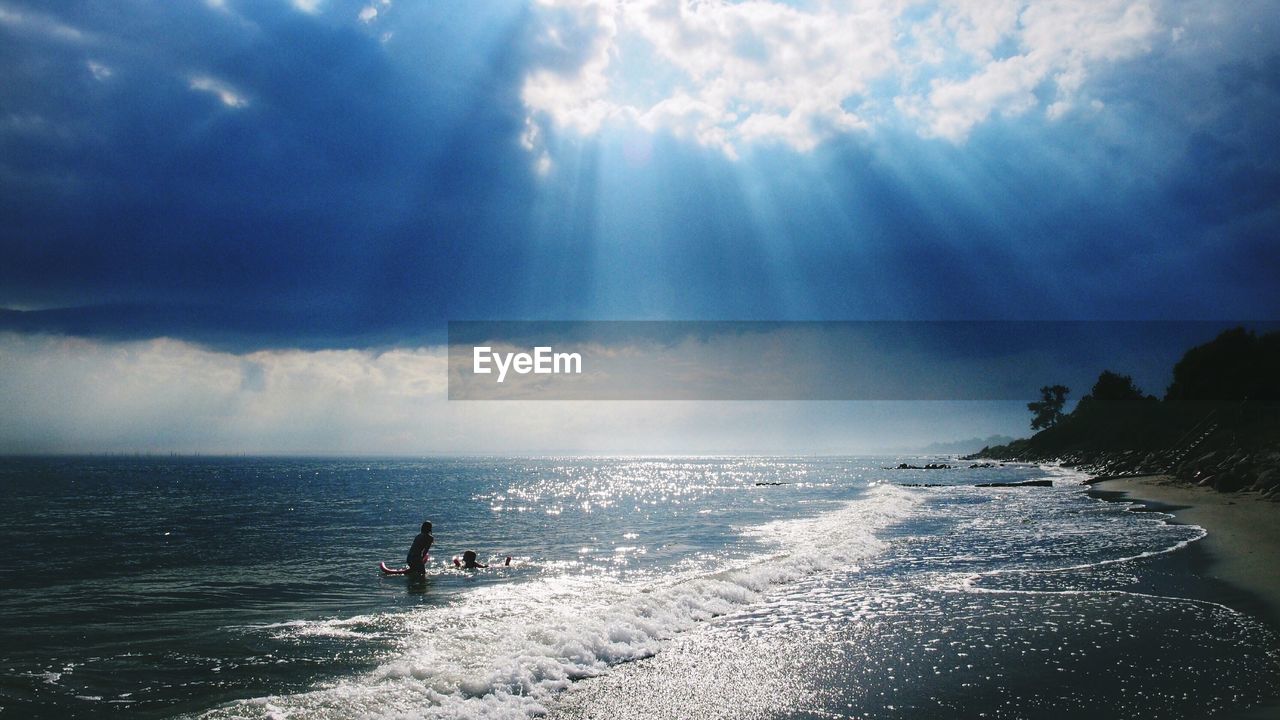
x=359 y=626
x=507 y=649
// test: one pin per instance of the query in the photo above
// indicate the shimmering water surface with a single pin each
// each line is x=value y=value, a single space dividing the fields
x=712 y=587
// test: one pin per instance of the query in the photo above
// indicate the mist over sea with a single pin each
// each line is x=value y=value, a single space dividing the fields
x=640 y=587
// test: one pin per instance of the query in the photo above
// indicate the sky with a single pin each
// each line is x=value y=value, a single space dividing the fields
x=242 y=226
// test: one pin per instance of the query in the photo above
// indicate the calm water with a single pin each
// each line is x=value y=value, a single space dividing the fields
x=744 y=587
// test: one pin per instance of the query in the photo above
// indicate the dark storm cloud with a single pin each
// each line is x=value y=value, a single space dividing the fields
x=336 y=189
x=263 y=177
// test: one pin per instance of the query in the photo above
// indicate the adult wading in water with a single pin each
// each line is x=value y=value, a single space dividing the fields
x=417 y=559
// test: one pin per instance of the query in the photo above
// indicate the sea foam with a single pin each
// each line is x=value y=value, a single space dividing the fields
x=505 y=650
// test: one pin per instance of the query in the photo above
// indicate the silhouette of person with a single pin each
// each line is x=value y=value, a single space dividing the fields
x=417 y=559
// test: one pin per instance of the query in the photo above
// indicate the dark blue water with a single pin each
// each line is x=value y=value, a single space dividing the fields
x=124 y=575
x=248 y=586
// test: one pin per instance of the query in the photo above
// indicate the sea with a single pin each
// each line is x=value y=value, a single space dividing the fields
x=639 y=587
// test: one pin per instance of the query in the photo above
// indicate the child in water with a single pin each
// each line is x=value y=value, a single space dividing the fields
x=469 y=562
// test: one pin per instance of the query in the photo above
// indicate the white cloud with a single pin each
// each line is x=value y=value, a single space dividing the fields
x=371 y=12
x=228 y=95
x=306 y=6
x=83 y=394
x=224 y=9
x=1058 y=41
x=61 y=394
x=45 y=25
x=100 y=72
x=726 y=74
x=531 y=140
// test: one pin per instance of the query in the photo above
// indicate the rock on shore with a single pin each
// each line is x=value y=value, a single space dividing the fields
x=1226 y=469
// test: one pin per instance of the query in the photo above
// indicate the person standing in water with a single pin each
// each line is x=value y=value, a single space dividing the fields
x=417 y=559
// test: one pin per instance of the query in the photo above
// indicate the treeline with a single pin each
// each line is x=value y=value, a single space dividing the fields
x=1223 y=406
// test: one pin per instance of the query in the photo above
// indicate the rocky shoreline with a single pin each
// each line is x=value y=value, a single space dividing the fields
x=1225 y=468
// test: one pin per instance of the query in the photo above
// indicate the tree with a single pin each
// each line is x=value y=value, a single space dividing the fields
x=1113 y=388
x=1047 y=411
x=1237 y=365
x=1112 y=393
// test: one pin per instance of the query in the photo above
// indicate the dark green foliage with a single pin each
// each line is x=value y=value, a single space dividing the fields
x=1227 y=389
x=1114 y=388
x=1048 y=410
x=1014 y=449
x=1113 y=396
x=1235 y=366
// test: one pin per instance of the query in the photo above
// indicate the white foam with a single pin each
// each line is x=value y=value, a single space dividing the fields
x=359 y=626
x=1061 y=475
x=508 y=648
x=1076 y=479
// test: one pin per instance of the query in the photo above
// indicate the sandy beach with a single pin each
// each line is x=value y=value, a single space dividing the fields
x=1243 y=530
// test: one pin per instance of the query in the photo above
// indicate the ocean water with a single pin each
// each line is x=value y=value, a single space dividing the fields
x=640 y=587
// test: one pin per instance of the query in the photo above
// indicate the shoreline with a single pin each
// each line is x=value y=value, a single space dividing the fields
x=1243 y=530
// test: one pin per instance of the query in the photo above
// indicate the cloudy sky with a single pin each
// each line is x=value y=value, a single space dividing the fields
x=242 y=225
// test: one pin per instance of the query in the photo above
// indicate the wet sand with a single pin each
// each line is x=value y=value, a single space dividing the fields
x=1243 y=540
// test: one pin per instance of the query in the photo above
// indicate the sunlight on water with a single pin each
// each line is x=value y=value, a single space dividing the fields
x=715 y=587
x=508 y=649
